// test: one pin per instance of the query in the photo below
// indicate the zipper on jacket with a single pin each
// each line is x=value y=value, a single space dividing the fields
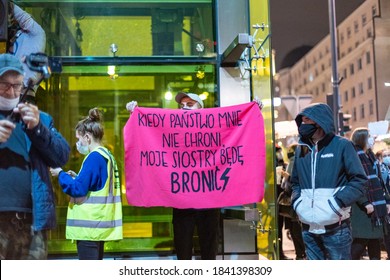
x=313 y=172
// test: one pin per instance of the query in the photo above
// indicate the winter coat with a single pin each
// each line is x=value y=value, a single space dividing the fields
x=369 y=226
x=362 y=226
x=327 y=177
x=47 y=148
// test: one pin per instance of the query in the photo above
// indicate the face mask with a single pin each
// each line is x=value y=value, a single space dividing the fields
x=370 y=143
x=307 y=130
x=386 y=160
x=290 y=155
x=8 y=104
x=190 y=106
x=83 y=149
x=279 y=156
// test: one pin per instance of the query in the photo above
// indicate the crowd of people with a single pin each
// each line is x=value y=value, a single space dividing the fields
x=30 y=146
x=339 y=188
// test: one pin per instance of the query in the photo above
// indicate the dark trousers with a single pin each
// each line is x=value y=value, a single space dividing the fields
x=373 y=248
x=296 y=236
x=206 y=222
x=386 y=240
x=17 y=241
x=282 y=222
x=90 y=250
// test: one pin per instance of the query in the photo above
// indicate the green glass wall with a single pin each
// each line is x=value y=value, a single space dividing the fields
x=113 y=52
x=68 y=96
x=137 y=28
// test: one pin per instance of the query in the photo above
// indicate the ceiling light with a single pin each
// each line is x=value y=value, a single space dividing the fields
x=168 y=95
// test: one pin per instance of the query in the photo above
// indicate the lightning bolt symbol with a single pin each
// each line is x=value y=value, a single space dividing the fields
x=225 y=178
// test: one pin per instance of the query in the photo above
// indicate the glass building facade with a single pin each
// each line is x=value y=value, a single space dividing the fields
x=107 y=53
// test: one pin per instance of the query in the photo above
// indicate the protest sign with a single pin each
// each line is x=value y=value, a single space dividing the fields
x=195 y=158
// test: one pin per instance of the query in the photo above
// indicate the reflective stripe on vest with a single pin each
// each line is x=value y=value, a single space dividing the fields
x=94 y=224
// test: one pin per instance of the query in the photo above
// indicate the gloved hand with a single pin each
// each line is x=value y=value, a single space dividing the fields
x=258 y=101
x=131 y=106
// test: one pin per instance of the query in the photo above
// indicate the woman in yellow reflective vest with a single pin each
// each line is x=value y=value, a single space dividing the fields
x=95 y=208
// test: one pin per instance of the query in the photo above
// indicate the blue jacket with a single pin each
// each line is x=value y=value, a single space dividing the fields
x=47 y=148
x=327 y=177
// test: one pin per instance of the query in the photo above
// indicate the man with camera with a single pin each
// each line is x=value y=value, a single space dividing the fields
x=29 y=145
x=26 y=37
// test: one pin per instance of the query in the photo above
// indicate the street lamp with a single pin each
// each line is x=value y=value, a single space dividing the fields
x=335 y=78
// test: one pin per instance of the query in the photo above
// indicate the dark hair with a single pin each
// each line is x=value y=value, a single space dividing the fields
x=379 y=154
x=359 y=137
x=92 y=124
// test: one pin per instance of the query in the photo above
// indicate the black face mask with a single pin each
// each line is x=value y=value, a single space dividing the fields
x=307 y=130
x=290 y=155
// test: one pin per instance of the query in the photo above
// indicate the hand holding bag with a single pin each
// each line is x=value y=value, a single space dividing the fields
x=284 y=202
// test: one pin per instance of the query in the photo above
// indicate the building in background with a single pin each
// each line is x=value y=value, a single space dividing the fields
x=115 y=51
x=363 y=58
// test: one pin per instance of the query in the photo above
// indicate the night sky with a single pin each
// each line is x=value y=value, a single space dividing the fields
x=295 y=23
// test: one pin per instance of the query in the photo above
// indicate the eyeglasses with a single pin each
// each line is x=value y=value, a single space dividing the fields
x=6 y=86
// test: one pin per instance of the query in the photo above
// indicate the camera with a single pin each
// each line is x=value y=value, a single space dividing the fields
x=40 y=62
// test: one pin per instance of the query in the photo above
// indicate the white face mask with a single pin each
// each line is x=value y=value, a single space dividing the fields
x=370 y=142
x=386 y=160
x=8 y=104
x=191 y=105
x=83 y=149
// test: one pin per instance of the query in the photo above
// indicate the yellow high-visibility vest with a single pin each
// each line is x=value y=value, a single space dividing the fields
x=98 y=216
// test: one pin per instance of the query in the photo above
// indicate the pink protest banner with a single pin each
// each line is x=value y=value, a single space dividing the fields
x=206 y=158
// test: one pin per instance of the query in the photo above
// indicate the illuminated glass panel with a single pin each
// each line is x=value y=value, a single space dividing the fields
x=68 y=96
x=136 y=28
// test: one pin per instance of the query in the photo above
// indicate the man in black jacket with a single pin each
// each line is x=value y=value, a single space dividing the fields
x=327 y=178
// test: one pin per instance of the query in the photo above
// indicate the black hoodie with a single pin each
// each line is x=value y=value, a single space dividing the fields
x=328 y=176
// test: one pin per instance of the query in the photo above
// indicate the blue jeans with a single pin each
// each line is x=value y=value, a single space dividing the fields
x=332 y=245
